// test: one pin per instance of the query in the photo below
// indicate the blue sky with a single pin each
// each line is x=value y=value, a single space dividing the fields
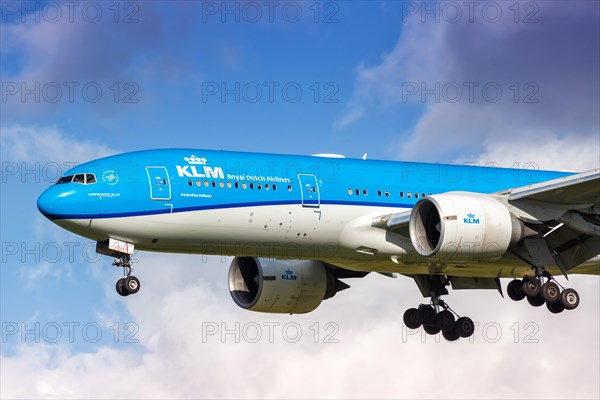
x=396 y=80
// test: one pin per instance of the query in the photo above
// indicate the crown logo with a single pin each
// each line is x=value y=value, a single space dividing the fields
x=470 y=215
x=289 y=271
x=195 y=160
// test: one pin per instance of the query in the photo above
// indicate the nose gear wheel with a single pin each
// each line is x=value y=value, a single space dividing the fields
x=129 y=284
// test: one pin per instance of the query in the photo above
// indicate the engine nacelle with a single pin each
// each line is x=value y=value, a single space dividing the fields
x=463 y=226
x=281 y=286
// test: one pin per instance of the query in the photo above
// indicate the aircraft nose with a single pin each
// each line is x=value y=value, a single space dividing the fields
x=53 y=202
x=44 y=204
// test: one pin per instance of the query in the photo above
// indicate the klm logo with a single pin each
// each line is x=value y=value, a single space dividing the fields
x=197 y=168
x=470 y=219
x=289 y=275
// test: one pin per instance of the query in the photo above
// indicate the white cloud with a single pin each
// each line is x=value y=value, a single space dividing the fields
x=353 y=115
x=571 y=152
x=373 y=356
x=35 y=144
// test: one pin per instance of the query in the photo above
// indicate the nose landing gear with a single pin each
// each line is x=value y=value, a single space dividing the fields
x=122 y=252
x=129 y=284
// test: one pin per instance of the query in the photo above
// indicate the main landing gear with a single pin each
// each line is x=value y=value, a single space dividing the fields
x=437 y=316
x=129 y=284
x=541 y=289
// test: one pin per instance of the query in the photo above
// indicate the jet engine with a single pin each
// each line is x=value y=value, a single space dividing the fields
x=281 y=286
x=463 y=226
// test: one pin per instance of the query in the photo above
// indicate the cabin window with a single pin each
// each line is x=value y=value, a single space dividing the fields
x=289 y=188
x=214 y=184
x=387 y=193
x=252 y=186
x=198 y=183
x=416 y=195
x=357 y=192
x=401 y=195
x=266 y=186
x=244 y=185
x=237 y=185
x=221 y=185
x=259 y=186
x=274 y=187
x=408 y=194
x=228 y=185
x=365 y=192
x=379 y=193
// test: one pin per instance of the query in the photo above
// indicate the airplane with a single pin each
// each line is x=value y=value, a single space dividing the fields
x=297 y=226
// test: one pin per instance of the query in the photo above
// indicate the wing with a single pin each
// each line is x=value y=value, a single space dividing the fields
x=574 y=191
x=566 y=214
x=562 y=217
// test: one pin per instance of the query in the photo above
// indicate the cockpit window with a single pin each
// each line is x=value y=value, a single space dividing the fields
x=65 y=179
x=79 y=178
x=85 y=179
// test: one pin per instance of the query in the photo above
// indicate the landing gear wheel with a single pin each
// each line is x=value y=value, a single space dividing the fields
x=120 y=286
x=535 y=301
x=569 y=298
x=556 y=307
x=444 y=320
x=515 y=290
x=450 y=335
x=431 y=329
x=426 y=314
x=531 y=286
x=131 y=284
x=464 y=327
x=550 y=292
x=410 y=319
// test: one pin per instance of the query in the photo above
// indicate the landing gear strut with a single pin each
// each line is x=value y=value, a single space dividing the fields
x=129 y=284
x=541 y=289
x=438 y=317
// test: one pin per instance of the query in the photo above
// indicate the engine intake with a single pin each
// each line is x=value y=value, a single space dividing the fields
x=463 y=227
x=281 y=286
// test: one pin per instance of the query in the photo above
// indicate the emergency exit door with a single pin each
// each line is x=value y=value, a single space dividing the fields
x=309 y=190
x=160 y=187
